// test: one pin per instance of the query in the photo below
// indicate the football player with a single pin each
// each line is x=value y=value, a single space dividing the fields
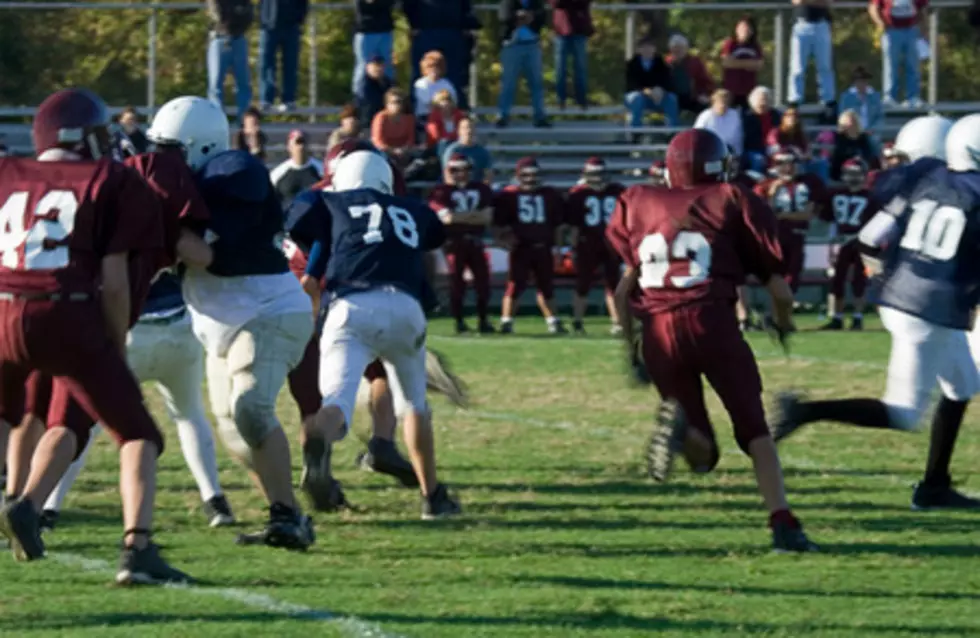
x=529 y=217
x=369 y=244
x=248 y=311
x=77 y=227
x=927 y=237
x=849 y=210
x=657 y=173
x=686 y=250
x=588 y=208
x=466 y=208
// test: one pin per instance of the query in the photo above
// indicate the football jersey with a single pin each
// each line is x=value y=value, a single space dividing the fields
x=589 y=209
x=931 y=269
x=245 y=228
x=364 y=239
x=848 y=210
x=531 y=215
x=793 y=197
x=59 y=219
x=467 y=199
x=695 y=245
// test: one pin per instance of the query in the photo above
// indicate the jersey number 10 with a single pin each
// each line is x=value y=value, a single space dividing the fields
x=406 y=230
x=934 y=231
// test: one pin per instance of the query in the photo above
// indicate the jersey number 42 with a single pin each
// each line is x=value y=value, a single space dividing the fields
x=42 y=245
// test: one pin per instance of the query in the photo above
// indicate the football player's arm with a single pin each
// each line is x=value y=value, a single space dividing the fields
x=617 y=236
x=762 y=256
x=192 y=250
x=432 y=231
x=316 y=268
x=115 y=297
x=627 y=285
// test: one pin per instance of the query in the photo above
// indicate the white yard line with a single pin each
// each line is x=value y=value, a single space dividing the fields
x=351 y=626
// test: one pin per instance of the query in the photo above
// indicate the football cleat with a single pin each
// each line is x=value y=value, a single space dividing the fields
x=784 y=419
x=382 y=456
x=49 y=520
x=439 y=378
x=836 y=323
x=857 y=323
x=557 y=328
x=321 y=488
x=22 y=527
x=506 y=327
x=218 y=511
x=927 y=497
x=667 y=440
x=788 y=538
x=439 y=504
x=461 y=327
x=287 y=529
x=578 y=327
x=486 y=328
x=616 y=330
x=146 y=567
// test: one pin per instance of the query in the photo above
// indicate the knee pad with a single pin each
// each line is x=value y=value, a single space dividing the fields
x=345 y=411
x=233 y=441
x=254 y=416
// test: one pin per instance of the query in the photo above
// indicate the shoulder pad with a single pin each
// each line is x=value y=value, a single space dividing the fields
x=307 y=202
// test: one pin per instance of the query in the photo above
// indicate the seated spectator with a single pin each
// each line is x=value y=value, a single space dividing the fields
x=790 y=133
x=648 y=85
x=371 y=98
x=443 y=125
x=393 y=130
x=741 y=61
x=851 y=141
x=129 y=123
x=480 y=159
x=722 y=120
x=297 y=173
x=863 y=100
x=350 y=127
x=251 y=138
x=758 y=121
x=433 y=81
x=689 y=77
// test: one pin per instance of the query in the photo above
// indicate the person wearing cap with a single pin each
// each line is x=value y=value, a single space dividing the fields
x=297 y=173
x=350 y=127
x=466 y=144
x=692 y=82
x=898 y=22
x=374 y=87
x=722 y=120
x=863 y=100
x=374 y=28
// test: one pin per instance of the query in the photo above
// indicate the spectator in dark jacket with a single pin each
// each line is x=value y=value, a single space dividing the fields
x=250 y=137
x=521 y=21
x=228 y=51
x=648 y=85
x=689 y=77
x=572 y=21
x=758 y=121
x=448 y=26
x=374 y=85
x=281 y=23
x=850 y=141
x=373 y=37
x=129 y=124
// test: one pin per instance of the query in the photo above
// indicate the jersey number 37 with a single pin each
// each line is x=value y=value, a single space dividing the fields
x=406 y=230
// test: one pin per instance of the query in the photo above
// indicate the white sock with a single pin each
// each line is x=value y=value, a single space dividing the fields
x=552 y=320
x=197 y=444
x=506 y=320
x=57 y=497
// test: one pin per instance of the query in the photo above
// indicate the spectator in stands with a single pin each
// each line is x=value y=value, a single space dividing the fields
x=228 y=51
x=129 y=123
x=863 y=100
x=299 y=172
x=393 y=130
x=374 y=29
x=790 y=132
x=442 y=127
x=466 y=144
x=741 y=61
x=812 y=38
x=350 y=127
x=433 y=81
x=522 y=21
x=899 y=20
x=281 y=23
x=722 y=120
x=688 y=75
x=448 y=26
x=648 y=85
x=250 y=137
x=373 y=88
x=572 y=22
x=758 y=122
x=850 y=141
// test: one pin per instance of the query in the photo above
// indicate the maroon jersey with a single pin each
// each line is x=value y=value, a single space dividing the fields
x=849 y=210
x=472 y=197
x=793 y=197
x=589 y=209
x=694 y=246
x=59 y=219
x=531 y=215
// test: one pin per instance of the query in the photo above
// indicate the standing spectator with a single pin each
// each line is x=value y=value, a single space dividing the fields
x=688 y=75
x=393 y=130
x=129 y=123
x=373 y=89
x=433 y=81
x=297 y=173
x=648 y=85
x=281 y=22
x=228 y=51
x=251 y=138
x=849 y=142
x=374 y=29
x=521 y=21
x=758 y=122
x=350 y=127
x=467 y=145
x=442 y=127
x=812 y=39
x=572 y=22
x=741 y=61
x=899 y=19
x=722 y=120
x=448 y=26
x=863 y=100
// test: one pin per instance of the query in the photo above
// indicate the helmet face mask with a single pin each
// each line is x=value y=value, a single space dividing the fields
x=854 y=174
x=459 y=176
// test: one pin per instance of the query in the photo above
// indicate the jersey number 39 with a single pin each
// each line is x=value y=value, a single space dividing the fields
x=655 y=256
x=54 y=220
x=406 y=230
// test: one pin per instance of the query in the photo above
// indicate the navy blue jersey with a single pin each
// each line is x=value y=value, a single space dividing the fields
x=931 y=265
x=246 y=216
x=364 y=239
x=165 y=297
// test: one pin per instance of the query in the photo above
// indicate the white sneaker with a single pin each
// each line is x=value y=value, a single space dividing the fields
x=914 y=103
x=889 y=103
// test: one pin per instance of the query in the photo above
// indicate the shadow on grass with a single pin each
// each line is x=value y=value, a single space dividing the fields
x=647 y=488
x=38 y=622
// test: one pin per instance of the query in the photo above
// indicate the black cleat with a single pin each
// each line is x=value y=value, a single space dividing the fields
x=49 y=520
x=382 y=456
x=440 y=505
x=22 y=527
x=836 y=323
x=486 y=328
x=146 y=567
x=506 y=327
x=557 y=328
x=461 y=327
x=784 y=416
x=667 y=440
x=440 y=378
x=944 y=496
x=323 y=491
x=578 y=327
x=791 y=538
x=857 y=323
x=287 y=529
x=218 y=511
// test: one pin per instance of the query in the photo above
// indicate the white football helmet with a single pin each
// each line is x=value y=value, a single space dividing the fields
x=197 y=125
x=363 y=169
x=924 y=137
x=963 y=144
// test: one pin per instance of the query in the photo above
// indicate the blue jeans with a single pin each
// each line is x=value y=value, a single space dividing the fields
x=818 y=166
x=285 y=41
x=639 y=103
x=755 y=161
x=366 y=46
x=900 y=47
x=522 y=59
x=226 y=53
x=573 y=45
x=811 y=40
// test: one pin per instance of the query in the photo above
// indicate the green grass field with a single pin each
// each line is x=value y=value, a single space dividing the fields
x=562 y=534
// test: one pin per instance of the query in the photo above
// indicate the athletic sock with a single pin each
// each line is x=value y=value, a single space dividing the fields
x=942 y=439
x=783 y=517
x=552 y=320
x=865 y=413
x=505 y=320
x=197 y=445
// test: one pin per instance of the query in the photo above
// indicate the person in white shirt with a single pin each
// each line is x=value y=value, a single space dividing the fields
x=722 y=120
x=297 y=173
x=433 y=80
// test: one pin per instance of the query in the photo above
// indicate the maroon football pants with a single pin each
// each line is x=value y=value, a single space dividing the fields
x=590 y=255
x=848 y=261
x=462 y=254
x=527 y=259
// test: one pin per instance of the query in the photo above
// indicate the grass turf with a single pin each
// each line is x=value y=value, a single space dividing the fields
x=562 y=536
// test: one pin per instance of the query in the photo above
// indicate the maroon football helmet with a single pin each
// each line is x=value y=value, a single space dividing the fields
x=854 y=173
x=337 y=151
x=75 y=120
x=785 y=160
x=458 y=170
x=696 y=156
x=527 y=172
x=594 y=171
x=892 y=156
